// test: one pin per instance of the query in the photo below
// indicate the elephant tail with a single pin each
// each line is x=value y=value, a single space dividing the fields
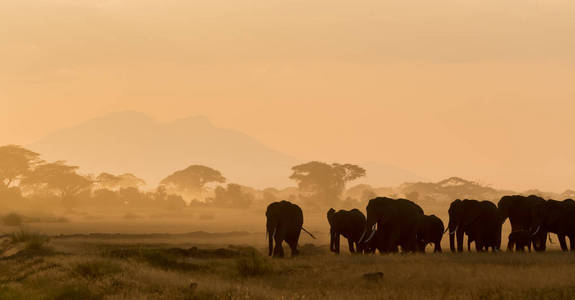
x=308 y=233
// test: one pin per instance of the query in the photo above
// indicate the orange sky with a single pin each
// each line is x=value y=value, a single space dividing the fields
x=479 y=89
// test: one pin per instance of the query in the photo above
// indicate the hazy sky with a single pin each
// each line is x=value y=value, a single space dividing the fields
x=480 y=89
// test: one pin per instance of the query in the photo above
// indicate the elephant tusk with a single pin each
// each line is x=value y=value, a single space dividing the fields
x=274 y=234
x=537 y=230
x=362 y=236
x=370 y=236
x=454 y=231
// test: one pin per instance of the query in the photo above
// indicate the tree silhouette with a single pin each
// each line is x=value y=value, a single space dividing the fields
x=322 y=183
x=60 y=178
x=114 y=182
x=15 y=163
x=193 y=179
x=233 y=196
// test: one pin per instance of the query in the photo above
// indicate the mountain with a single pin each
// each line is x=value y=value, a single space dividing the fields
x=133 y=142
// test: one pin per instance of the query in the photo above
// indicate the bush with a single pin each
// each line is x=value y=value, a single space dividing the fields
x=34 y=241
x=74 y=292
x=160 y=258
x=97 y=269
x=253 y=265
x=12 y=219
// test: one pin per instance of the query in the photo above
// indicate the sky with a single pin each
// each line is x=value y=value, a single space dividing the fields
x=479 y=89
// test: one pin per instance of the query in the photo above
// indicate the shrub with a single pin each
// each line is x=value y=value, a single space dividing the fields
x=97 y=269
x=12 y=219
x=74 y=292
x=34 y=241
x=253 y=265
x=160 y=258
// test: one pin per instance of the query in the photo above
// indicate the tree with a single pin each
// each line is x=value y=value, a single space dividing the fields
x=323 y=183
x=168 y=201
x=115 y=182
x=233 y=196
x=192 y=180
x=15 y=163
x=60 y=178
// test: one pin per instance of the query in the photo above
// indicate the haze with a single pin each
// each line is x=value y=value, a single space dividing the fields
x=479 y=89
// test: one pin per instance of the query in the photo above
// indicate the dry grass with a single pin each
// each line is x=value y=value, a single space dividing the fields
x=162 y=271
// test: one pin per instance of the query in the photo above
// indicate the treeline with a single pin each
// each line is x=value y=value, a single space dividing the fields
x=28 y=181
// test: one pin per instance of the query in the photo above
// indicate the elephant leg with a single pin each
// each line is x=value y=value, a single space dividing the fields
x=437 y=245
x=278 y=250
x=478 y=246
x=572 y=242
x=510 y=245
x=392 y=242
x=350 y=245
x=337 y=241
x=562 y=242
x=293 y=248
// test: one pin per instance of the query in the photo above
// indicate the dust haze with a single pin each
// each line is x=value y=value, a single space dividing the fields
x=222 y=149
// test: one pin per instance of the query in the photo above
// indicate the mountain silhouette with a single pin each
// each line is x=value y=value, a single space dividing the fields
x=133 y=142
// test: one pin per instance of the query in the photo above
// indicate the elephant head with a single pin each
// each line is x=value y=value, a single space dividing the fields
x=505 y=205
x=273 y=214
x=545 y=216
x=462 y=213
x=380 y=211
x=332 y=231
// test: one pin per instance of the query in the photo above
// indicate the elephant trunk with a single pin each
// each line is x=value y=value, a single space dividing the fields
x=452 y=242
x=270 y=244
x=452 y=232
x=331 y=241
x=459 y=234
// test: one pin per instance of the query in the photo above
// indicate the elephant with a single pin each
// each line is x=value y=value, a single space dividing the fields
x=284 y=223
x=350 y=224
x=480 y=220
x=430 y=229
x=396 y=221
x=519 y=211
x=557 y=217
x=519 y=240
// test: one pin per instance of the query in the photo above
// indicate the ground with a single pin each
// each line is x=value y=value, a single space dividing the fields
x=221 y=254
x=176 y=267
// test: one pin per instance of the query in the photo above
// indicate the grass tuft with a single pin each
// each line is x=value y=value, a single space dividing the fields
x=165 y=259
x=97 y=269
x=253 y=265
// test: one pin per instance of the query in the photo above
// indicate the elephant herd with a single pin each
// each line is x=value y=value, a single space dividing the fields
x=394 y=225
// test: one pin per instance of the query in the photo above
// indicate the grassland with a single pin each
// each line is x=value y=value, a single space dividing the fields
x=185 y=267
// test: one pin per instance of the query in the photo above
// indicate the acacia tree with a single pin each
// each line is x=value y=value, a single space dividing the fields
x=232 y=196
x=115 y=182
x=59 y=178
x=321 y=183
x=15 y=163
x=192 y=180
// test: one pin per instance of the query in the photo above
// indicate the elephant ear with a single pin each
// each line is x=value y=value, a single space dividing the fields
x=470 y=213
x=330 y=216
x=553 y=214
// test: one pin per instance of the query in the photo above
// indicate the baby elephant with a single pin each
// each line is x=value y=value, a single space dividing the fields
x=350 y=224
x=519 y=239
x=430 y=230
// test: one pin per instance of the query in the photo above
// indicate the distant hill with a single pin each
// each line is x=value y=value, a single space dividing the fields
x=133 y=142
